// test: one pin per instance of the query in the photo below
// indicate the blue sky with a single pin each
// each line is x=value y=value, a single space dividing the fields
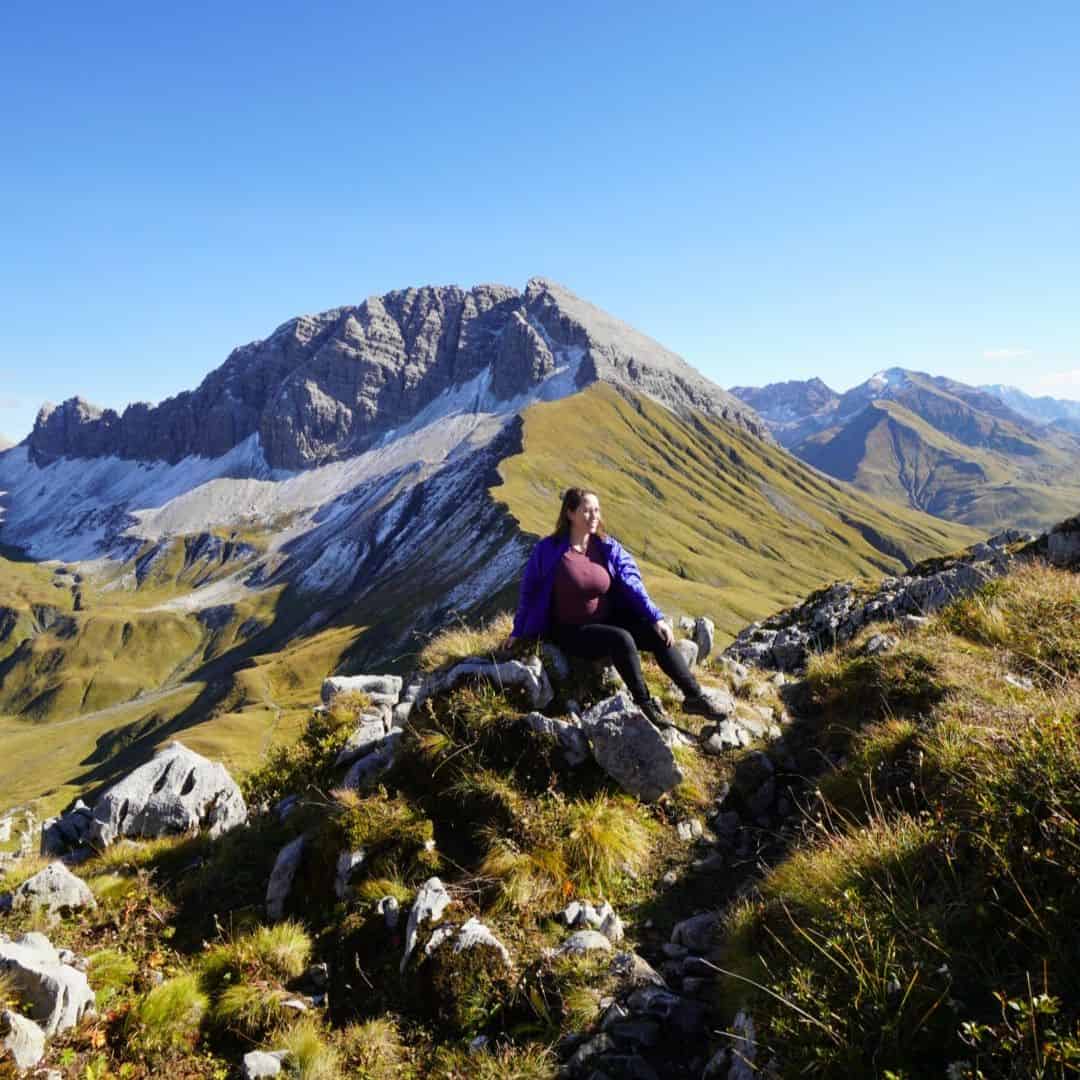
x=773 y=190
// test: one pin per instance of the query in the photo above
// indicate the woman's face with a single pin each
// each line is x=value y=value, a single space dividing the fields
x=586 y=517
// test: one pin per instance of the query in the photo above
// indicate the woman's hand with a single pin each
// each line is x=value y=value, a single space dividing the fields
x=663 y=628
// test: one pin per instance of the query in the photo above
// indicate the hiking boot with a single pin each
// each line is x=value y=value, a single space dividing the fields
x=653 y=711
x=700 y=705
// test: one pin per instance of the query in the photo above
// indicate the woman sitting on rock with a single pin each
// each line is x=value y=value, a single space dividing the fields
x=583 y=591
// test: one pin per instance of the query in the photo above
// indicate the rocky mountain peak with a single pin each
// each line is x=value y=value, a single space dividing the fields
x=323 y=386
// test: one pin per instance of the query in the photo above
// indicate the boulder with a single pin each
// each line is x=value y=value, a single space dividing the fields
x=281 y=878
x=629 y=749
x=55 y=890
x=431 y=901
x=528 y=675
x=382 y=689
x=571 y=739
x=689 y=651
x=704 y=637
x=177 y=791
x=56 y=994
x=22 y=1039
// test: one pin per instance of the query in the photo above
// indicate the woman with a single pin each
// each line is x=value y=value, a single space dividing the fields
x=583 y=590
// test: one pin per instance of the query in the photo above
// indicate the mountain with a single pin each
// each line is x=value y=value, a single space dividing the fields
x=956 y=451
x=356 y=483
x=792 y=410
x=1056 y=412
x=5 y=444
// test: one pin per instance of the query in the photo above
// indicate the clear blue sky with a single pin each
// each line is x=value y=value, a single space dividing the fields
x=772 y=190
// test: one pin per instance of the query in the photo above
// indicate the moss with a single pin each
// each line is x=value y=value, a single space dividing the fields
x=467 y=990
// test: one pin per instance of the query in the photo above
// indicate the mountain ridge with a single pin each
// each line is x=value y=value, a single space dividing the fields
x=322 y=387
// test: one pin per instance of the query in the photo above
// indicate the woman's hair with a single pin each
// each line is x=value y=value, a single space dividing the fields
x=571 y=500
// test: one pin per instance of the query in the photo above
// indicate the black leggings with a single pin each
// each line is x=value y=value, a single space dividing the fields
x=619 y=641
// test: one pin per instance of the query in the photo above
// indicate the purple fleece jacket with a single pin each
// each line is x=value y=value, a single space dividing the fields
x=534 y=606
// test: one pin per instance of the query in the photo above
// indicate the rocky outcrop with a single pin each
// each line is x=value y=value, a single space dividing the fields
x=177 y=791
x=324 y=386
x=834 y=615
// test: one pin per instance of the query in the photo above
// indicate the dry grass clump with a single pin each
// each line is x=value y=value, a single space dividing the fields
x=311 y=1056
x=460 y=642
x=394 y=834
x=251 y=1010
x=503 y=1063
x=348 y=706
x=271 y=953
x=373 y=1050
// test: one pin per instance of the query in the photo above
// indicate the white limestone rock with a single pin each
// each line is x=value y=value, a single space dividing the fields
x=54 y=890
x=281 y=878
x=177 y=791
x=528 y=674
x=22 y=1039
x=431 y=901
x=57 y=995
x=382 y=689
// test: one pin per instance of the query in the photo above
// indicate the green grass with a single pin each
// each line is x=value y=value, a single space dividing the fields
x=927 y=918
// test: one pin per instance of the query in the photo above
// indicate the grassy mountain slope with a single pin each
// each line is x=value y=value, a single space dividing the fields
x=894 y=453
x=722 y=523
x=925 y=919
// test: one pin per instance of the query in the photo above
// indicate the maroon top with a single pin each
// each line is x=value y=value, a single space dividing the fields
x=581 y=583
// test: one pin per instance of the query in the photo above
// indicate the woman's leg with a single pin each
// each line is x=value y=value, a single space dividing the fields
x=602 y=641
x=671 y=661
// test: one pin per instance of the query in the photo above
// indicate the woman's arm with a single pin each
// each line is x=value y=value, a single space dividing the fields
x=629 y=576
x=529 y=598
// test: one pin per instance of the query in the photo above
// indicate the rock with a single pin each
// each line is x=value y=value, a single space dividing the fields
x=347 y=862
x=584 y=941
x=678 y=1013
x=22 y=1039
x=698 y=933
x=1020 y=682
x=390 y=910
x=177 y=791
x=571 y=739
x=689 y=830
x=365 y=773
x=55 y=890
x=627 y=1066
x=743 y=1049
x=689 y=651
x=261 y=1063
x=431 y=901
x=371 y=731
x=281 y=878
x=528 y=675
x=1063 y=543
x=629 y=749
x=727 y=735
x=704 y=637
x=67 y=830
x=56 y=994
x=880 y=643
x=401 y=713
x=591 y=1048
x=635 y=970
x=380 y=688
x=612 y=926
x=473 y=935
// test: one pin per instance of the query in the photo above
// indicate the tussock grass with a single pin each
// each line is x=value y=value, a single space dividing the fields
x=251 y=1010
x=274 y=953
x=373 y=1050
x=606 y=837
x=345 y=708
x=109 y=972
x=169 y=1017
x=504 y=1063
x=460 y=642
x=311 y=1056
x=935 y=924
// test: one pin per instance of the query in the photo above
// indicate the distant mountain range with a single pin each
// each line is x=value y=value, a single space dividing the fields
x=1043 y=410
x=960 y=452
